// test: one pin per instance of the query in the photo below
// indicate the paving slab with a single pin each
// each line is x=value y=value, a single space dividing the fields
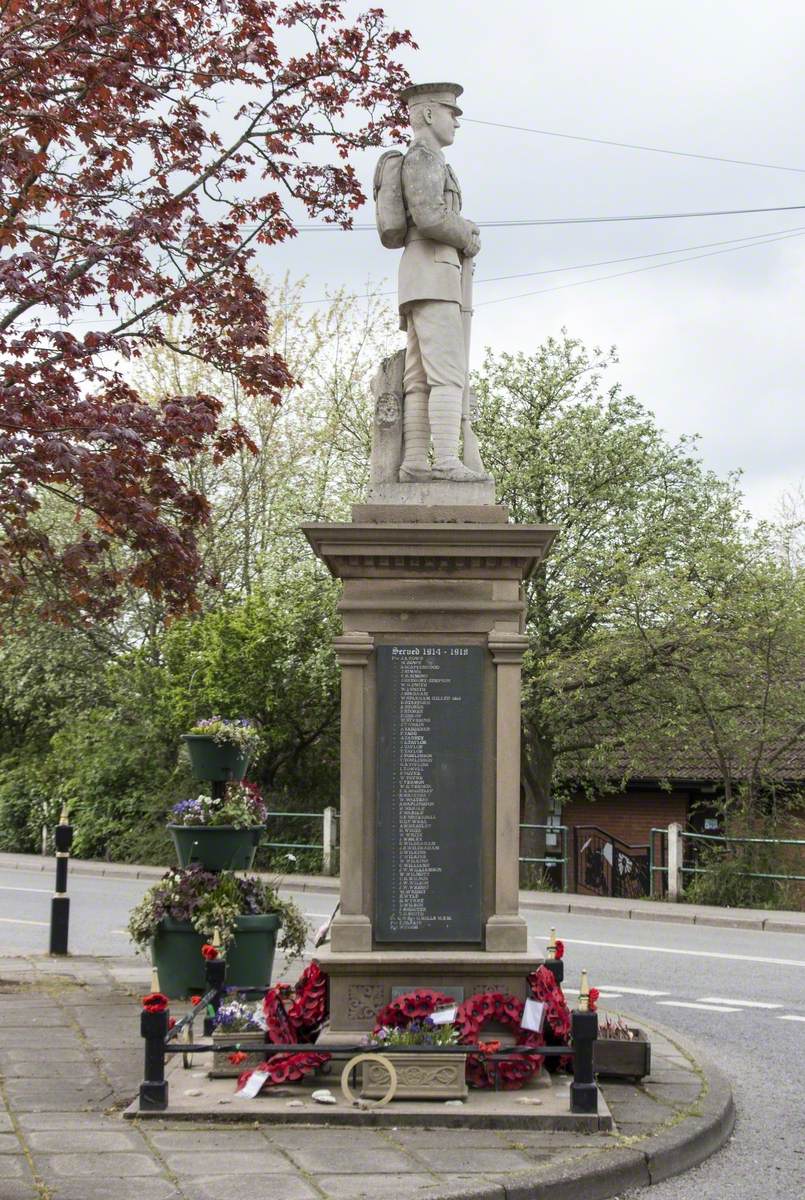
x=207 y=1139
x=66 y=1121
x=465 y=1159
x=106 y=1165
x=301 y=1136
x=15 y=1189
x=85 y=1141
x=113 y=1188
x=14 y=1166
x=405 y=1186
x=226 y=1162
x=275 y=1187
x=349 y=1159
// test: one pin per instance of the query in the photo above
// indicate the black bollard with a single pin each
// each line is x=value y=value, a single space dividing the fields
x=216 y=974
x=60 y=904
x=583 y=1089
x=154 y=1088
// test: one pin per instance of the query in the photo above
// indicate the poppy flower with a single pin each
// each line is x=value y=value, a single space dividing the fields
x=196 y=1000
x=155 y=1002
x=209 y=952
x=237 y=1057
x=560 y=949
x=593 y=999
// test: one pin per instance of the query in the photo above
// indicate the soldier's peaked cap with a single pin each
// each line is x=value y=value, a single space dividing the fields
x=433 y=93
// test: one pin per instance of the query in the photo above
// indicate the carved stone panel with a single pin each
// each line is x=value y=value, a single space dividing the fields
x=419 y=1077
x=364 y=1000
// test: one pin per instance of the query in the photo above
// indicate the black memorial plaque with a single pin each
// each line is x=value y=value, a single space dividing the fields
x=429 y=792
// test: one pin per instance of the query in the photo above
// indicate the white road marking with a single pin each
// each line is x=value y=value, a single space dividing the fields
x=690 y=1004
x=18 y=921
x=5 y=888
x=740 y=1003
x=630 y=991
x=774 y=962
x=602 y=995
x=789 y=1017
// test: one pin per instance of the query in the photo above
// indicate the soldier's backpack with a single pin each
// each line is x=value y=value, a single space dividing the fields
x=390 y=215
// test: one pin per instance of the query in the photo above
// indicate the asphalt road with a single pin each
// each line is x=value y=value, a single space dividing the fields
x=738 y=994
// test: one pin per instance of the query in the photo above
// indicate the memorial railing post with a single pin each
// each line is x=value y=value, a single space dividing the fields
x=583 y=1089
x=154 y=1087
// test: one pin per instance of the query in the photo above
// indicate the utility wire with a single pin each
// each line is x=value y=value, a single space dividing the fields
x=575 y=137
x=609 y=262
x=718 y=212
x=758 y=239
x=635 y=270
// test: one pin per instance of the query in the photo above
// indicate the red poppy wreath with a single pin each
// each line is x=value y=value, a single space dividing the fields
x=513 y=1071
x=413 y=1006
x=301 y=1022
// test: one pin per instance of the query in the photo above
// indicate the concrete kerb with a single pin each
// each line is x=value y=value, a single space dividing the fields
x=549 y=902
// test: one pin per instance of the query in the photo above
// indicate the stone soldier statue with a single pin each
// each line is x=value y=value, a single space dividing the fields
x=419 y=207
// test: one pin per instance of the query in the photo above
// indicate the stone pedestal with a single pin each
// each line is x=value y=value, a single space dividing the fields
x=431 y=581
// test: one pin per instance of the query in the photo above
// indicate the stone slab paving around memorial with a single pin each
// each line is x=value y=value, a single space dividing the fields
x=71 y=1060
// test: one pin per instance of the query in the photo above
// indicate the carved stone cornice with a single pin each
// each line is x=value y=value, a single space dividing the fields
x=353 y=649
x=468 y=550
x=507 y=647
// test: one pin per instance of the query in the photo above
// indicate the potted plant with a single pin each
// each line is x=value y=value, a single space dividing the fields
x=420 y=1076
x=221 y=749
x=243 y=1026
x=219 y=832
x=621 y=1050
x=189 y=904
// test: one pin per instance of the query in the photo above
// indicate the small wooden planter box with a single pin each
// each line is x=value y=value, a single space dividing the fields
x=614 y=1056
x=252 y=1043
x=419 y=1077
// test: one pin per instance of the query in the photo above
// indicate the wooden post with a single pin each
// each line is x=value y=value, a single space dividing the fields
x=329 y=840
x=675 y=881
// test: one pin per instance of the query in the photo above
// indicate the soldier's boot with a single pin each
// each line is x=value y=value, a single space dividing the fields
x=445 y=424
x=416 y=438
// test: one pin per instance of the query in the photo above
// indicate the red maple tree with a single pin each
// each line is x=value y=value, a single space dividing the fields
x=145 y=150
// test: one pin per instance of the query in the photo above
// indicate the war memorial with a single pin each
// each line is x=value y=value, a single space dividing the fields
x=433 y=636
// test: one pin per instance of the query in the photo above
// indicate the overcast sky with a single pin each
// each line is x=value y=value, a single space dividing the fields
x=713 y=346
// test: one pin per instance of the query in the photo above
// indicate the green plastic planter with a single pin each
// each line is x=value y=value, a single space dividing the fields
x=214 y=761
x=176 y=954
x=216 y=847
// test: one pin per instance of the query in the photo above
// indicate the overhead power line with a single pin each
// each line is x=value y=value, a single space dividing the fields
x=575 y=137
x=743 y=243
x=637 y=270
x=772 y=234
x=519 y=223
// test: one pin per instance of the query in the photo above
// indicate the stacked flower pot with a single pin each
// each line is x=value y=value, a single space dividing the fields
x=205 y=886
